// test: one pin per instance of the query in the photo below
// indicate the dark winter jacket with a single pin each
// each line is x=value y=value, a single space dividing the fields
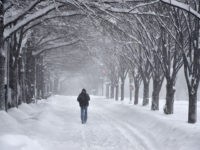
x=83 y=99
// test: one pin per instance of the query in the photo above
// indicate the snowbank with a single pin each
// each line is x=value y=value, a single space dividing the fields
x=21 y=142
x=180 y=110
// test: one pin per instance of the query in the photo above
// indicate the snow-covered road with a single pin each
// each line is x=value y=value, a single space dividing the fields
x=55 y=125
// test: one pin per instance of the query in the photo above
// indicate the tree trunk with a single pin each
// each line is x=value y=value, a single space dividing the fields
x=112 y=91
x=2 y=85
x=122 y=90
x=18 y=101
x=36 y=90
x=157 y=84
x=22 y=79
x=7 y=93
x=169 y=106
x=52 y=85
x=137 y=87
x=107 y=91
x=30 y=74
x=102 y=88
x=131 y=94
x=55 y=85
x=192 y=113
x=2 y=59
x=146 y=93
x=117 y=92
x=14 y=84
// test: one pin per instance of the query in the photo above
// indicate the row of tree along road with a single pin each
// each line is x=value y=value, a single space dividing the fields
x=149 y=40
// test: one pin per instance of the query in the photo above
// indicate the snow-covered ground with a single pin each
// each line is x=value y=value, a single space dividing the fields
x=180 y=110
x=55 y=124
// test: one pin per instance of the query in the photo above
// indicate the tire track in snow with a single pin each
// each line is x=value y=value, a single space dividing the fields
x=130 y=138
x=133 y=135
x=145 y=142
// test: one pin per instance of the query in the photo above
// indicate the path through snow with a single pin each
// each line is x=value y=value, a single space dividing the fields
x=55 y=124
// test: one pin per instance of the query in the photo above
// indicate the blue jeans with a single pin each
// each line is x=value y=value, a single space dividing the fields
x=83 y=114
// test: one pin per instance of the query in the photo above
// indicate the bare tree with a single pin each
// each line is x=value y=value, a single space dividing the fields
x=191 y=60
x=123 y=70
x=2 y=58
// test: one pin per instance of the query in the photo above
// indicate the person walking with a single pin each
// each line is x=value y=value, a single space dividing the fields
x=83 y=100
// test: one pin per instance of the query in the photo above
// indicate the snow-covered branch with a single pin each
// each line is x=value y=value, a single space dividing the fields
x=182 y=6
x=143 y=4
x=22 y=14
x=31 y=18
x=58 y=45
x=62 y=15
